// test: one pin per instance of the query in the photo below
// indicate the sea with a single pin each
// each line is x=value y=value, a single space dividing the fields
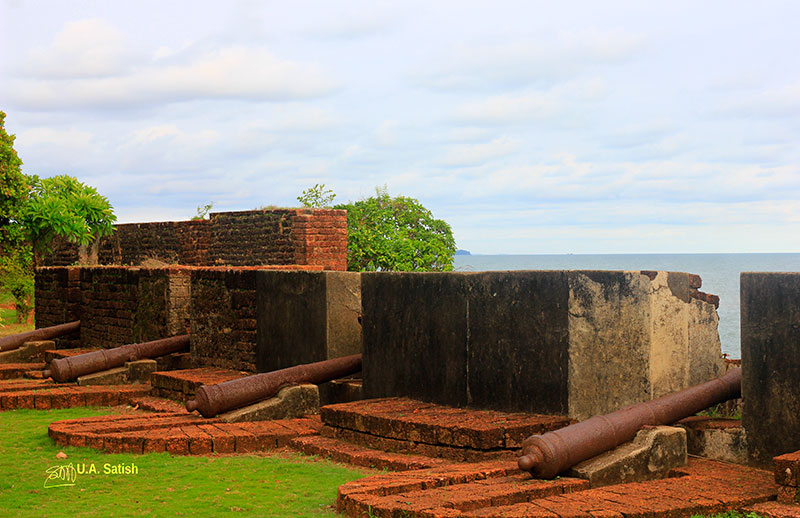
x=720 y=274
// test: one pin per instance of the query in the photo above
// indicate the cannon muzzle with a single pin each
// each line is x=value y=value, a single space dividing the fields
x=8 y=343
x=65 y=369
x=211 y=400
x=547 y=455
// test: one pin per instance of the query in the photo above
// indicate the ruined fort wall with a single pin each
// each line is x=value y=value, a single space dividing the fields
x=245 y=238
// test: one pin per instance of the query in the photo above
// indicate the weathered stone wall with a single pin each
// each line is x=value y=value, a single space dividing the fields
x=248 y=238
x=577 y=343
x=116 y=305
x=770 y=319
x=223 y=319
x=306 y=317
x=122 y=305
x=58 y=301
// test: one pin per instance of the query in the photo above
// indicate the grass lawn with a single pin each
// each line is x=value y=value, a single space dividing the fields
x=241 y=485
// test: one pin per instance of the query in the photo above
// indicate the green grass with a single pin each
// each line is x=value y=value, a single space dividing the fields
x=242 y=485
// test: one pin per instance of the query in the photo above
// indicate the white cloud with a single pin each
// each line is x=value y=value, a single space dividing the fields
x=540 y=60
x=536 y=105
x=239 y=73
x=476 y=154
x=87 y=48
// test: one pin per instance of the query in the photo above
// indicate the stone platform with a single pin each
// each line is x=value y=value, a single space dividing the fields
x=413 y=427
x=181 y=385
x=44 y=394
x=179 y=434
x=498 y=489
x=10 y=371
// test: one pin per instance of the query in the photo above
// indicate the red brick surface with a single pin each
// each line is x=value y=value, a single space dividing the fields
x=409 y=420
x=179 y=434
x=44 y=395
x=501 y=490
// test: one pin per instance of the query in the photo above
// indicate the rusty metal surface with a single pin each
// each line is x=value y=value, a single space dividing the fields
x=211 y=400
x=8 y=343
x=65 y=369
x=547 y=455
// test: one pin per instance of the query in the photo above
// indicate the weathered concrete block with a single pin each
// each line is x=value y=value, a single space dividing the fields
x=118 y=376
x=651 y=455
x=139 y=371
x=288 y=403
x=30 y=352
x=715 y=438
x=770 y=319
x=575 y=343
x=306 y=317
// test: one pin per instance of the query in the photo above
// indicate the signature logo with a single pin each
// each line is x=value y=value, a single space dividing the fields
x=61 y=476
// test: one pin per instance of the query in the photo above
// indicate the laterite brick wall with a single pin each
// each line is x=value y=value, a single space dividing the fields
x=116 y=305
x=249 y=238
x=58 y=300
x=224 y=316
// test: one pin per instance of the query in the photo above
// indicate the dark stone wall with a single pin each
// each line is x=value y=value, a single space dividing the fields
x=306 y=317
x=252 y=237
x=223 y=318
x=116 y=305
x=490 y=340
x=770 y=320
x=58 y=301
x=248 y=238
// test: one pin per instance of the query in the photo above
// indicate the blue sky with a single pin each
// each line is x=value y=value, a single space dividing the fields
x=531 y=127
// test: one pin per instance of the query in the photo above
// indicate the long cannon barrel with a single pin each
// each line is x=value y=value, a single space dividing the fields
x=547 y=455
x=8 y=343
x=66 y=369
x=211 y=400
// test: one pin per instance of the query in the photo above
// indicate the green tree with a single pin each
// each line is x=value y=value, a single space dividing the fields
x=63 y=207
x=14 y=186
x=16 y=265
x=396 y=234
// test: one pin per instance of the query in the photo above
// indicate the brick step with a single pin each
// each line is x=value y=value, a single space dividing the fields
x=388 y=444
x=17 y=370
x=181 y=385
x=179 y=434
x=409 y=420
x=28 y=384
x=774 y=510
x=702 y=487
x=348 y=453
x=157 y=404
x=46 y=396
x=34 y=375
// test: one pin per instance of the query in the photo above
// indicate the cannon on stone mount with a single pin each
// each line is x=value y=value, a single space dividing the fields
x=547 y=455
x=65 y=369
x=9 y=343
x=211 y=400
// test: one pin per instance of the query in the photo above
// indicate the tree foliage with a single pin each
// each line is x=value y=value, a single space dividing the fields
x=14 y=187
x=63 y=207
x=396 y=234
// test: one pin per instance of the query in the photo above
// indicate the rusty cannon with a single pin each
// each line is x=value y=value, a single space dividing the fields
x=9 y=343
x=65 y=369
x=211 y=400
x=547 y=455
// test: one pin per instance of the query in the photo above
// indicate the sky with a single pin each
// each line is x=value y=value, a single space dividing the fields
x=531 y=127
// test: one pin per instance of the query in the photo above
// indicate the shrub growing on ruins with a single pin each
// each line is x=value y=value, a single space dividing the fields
x=63 y=207
x=396 y=234
x=317 y=197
